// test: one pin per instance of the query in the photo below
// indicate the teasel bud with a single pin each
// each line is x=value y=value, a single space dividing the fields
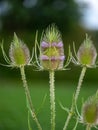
x=87 y=53
x=51 y=49
x=19 y=53
x=90 y=111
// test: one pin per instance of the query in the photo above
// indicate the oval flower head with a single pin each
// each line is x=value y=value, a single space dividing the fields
x=90 y=111
x=87 y=54
x=51 y=49
x=19 y=53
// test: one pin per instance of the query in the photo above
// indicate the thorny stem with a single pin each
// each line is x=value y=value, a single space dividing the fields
x=75 y=97
x=80 y=83
x=88 y=127
x=28 y=98
x=52 y=99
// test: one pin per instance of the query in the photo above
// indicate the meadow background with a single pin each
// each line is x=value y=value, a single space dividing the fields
x=25 y=17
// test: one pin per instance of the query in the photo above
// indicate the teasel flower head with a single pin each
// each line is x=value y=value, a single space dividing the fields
x=90 y=111
x=87 y=54
x=51 y=50
x=19 y=54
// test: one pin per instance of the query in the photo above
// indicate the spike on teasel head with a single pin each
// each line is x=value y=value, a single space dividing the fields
x=19 y=52
x=51 y=49
x=87 y=53
x=90 y=111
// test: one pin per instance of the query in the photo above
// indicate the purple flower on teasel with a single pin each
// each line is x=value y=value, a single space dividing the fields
x=44 y=44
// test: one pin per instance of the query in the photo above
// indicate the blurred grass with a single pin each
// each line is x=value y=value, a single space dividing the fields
x=13 y=111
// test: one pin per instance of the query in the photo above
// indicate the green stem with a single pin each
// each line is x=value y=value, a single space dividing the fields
x=68 y=118
x=80 y=83
x=75 y=97
x=52 y=99
x=88 y=127
x=76 y=124
x=28 y=98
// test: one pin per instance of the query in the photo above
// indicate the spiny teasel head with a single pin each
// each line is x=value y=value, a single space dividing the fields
x=51 y=49
x=90 y=111
x=19 y=54
x=87 y=53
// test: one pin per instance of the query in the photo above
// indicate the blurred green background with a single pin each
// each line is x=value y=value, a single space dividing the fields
x=25 y=17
